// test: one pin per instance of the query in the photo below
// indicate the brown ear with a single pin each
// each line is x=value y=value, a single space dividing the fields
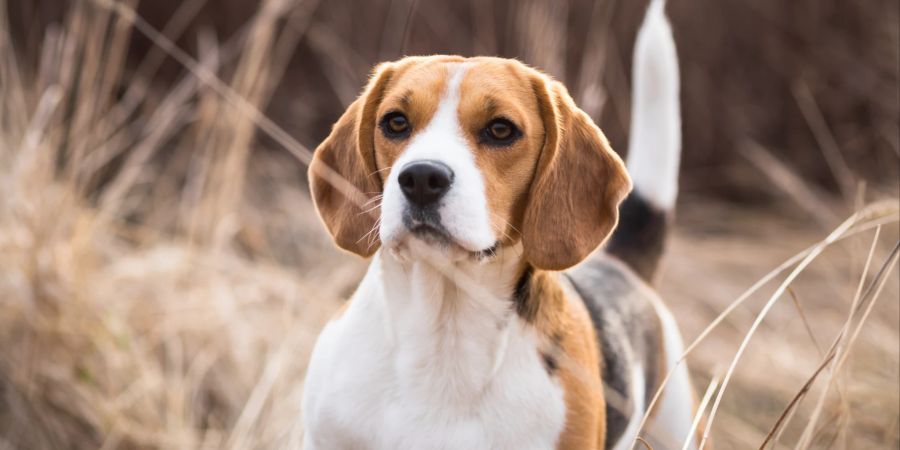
x=579 y=183
x=342 y=175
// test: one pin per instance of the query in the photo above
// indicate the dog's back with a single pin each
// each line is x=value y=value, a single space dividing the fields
x=638 y=337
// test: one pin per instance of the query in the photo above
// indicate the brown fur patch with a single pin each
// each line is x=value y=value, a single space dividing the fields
x=567 y=335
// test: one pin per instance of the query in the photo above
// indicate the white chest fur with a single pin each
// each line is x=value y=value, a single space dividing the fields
x=416 y=362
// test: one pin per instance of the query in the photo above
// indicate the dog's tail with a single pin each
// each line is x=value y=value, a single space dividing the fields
x=654 y=150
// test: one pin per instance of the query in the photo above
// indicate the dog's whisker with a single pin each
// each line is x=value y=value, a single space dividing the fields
x=375 y=198
x=371 y=233
x=381 y=170
x=367 y=211
x=508 y=223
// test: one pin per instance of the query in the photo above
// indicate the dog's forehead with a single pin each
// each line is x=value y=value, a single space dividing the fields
x=496 y=74
x=426 y=79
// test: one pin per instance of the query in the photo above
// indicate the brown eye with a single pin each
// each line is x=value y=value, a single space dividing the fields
x=500 y=130
x=398 y=124
x=500 y=133
x=395 y=125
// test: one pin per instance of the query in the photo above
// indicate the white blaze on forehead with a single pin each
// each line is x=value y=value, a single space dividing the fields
x=446 y=118
x=463 y=210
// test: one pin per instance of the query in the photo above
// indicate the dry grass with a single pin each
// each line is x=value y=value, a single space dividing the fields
x=162 y=281
x=730 y=249
x=140 y=305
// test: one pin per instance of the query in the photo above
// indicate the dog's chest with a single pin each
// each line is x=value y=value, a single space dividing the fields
x=371 y=386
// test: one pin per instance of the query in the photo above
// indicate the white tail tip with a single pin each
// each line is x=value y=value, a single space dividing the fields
x=654 y=151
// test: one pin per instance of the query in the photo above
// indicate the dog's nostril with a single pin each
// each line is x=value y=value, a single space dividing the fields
x=406 y=180
x=425 y=182
x=438 y=182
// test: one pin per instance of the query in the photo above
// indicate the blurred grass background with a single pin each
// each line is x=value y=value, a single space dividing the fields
x=163 y=274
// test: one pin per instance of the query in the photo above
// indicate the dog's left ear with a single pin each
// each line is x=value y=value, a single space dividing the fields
x=580 y=181
x=342 y=175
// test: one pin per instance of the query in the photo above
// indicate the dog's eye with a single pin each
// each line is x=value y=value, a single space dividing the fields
x=395 y=125
x=500 y=132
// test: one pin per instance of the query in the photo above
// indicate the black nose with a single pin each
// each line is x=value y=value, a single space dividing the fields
x=425 y=182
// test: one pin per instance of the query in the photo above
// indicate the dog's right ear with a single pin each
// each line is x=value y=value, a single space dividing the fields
x=342 y=175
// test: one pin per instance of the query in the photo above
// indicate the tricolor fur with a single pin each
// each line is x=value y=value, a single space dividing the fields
x=480 y=180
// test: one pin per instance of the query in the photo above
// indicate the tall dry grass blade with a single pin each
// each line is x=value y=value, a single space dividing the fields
x=264 y=123
x=783 y=421
x=90 y=42
x=12 y=85
x=888 y=212
x=741 y=299
x=250 y=413
x=120 y=139
x=880 y=280
x=701 y=408
x=644 y=443
x=804 y=195
x=590 y=92
x=809 y=331
x=836 y=234
x=232 y=131
x=149 y=65
x=825 y=138
x=162 y=125
x=790 y=408
x=853 y=307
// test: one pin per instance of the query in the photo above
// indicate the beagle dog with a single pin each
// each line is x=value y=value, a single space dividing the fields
x=488 y=318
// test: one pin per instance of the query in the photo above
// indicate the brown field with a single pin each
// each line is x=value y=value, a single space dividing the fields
x=163 y=274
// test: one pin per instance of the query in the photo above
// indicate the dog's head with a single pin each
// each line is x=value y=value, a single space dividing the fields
x=468 y=154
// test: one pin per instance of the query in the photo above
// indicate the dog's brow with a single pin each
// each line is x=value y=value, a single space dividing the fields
x=406 y=98
x=491 y=106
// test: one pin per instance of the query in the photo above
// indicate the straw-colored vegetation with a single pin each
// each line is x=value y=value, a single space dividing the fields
x=162 y=279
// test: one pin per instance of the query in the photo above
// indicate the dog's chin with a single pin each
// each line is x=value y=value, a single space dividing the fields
x=426 y=242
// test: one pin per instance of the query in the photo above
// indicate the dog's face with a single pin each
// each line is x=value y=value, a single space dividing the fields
x=468 y=155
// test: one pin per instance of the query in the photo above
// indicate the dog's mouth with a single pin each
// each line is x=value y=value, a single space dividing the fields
x=428 y=228
x=431 y=234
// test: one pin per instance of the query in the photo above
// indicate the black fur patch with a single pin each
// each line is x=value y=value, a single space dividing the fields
x=613 y=368
x=551 y=355
x=550 y=363
x=522 y=295
x=628 y=330
x=640 y=238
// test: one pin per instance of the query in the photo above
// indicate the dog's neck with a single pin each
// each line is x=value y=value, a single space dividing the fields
x=450 y=321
